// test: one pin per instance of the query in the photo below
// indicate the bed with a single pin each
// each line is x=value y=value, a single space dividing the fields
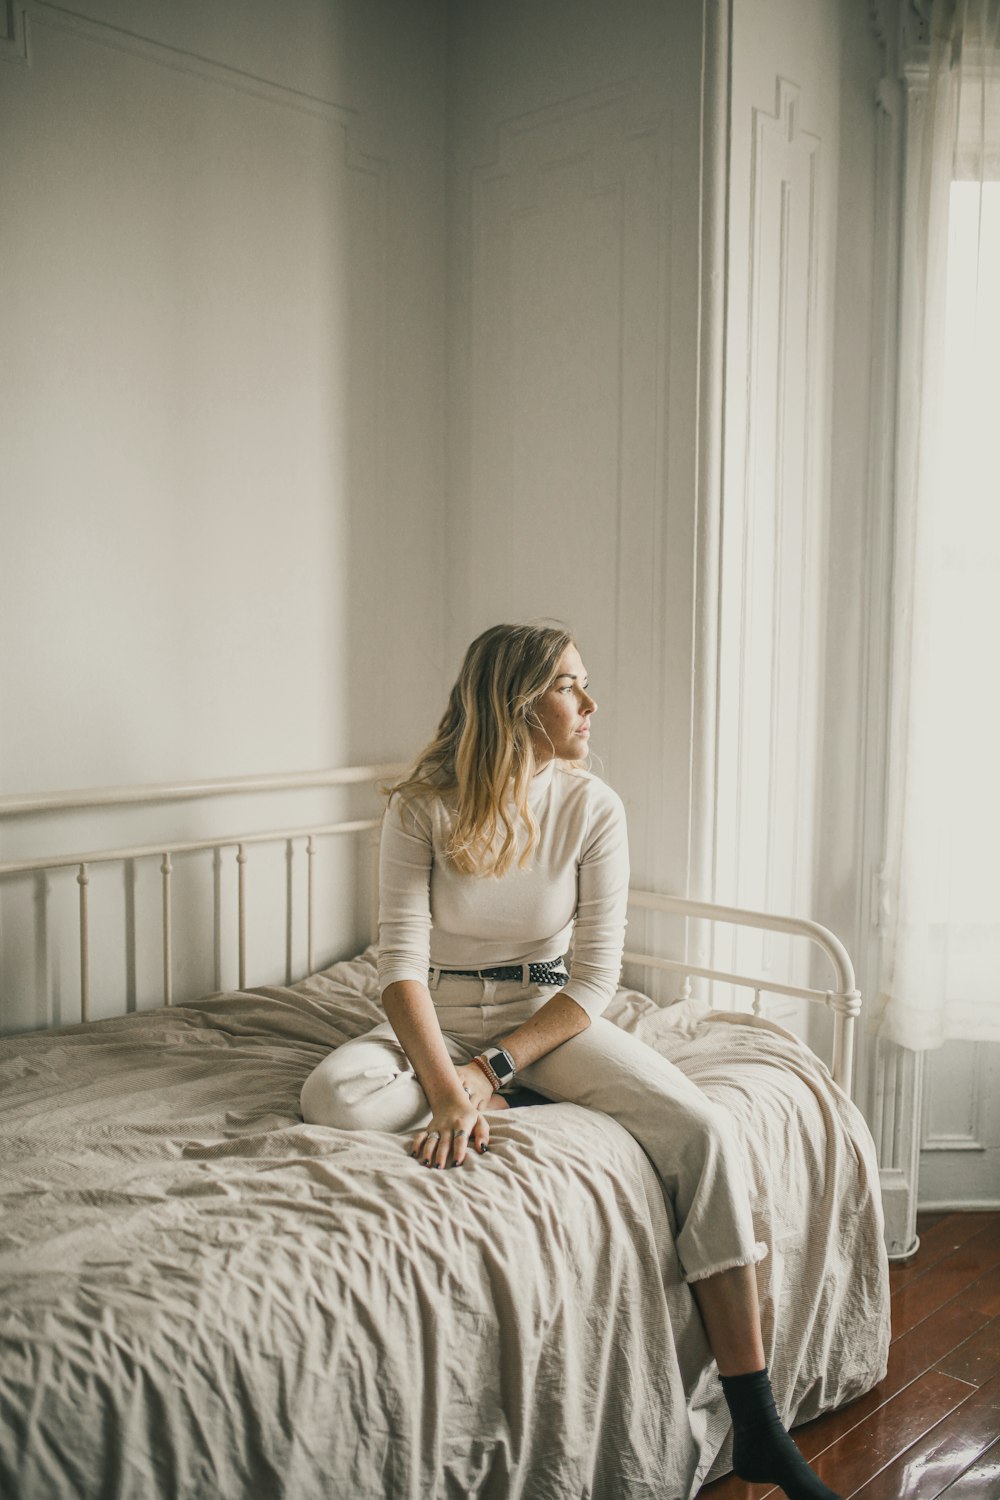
x=202 y=1296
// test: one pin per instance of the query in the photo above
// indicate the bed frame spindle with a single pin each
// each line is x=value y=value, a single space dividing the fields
x=166 y=870
x=83 y=881
x=241 y=860
x=310 y=901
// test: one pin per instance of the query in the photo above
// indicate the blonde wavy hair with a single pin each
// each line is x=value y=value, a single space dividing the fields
x=482 y=753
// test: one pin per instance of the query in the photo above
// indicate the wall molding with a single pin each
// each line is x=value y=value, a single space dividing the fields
x=342 y=118
x=895 y=1076
x=772 y=508
x=883 y=20
x=883 y=1071
x=941 y=1142
x=13 y=32
x=961 y=1206
x=899 y=25
x=970 y=1139
x=706 y=606
x=519 y=153
x=63 y=18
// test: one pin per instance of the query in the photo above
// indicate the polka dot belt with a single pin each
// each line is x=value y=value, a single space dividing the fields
x=551 y=972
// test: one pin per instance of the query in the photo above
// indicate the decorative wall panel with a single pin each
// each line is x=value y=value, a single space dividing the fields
x=771 y=579
x=561 y=472
x=960 y=1135
x=953 y=1100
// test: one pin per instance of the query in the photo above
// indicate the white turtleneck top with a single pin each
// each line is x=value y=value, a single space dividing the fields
x=576 y=884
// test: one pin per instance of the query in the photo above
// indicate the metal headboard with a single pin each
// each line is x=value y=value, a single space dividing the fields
x=844 y=1000
x=182 y=791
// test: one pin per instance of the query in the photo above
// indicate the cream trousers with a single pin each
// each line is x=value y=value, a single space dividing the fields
x=368 y=1084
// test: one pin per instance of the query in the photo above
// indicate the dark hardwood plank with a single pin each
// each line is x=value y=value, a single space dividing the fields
x=931 y=1427
x=911 y=1356
x=867 y=1448
x=984 y=1294
x=946 y=1235
x=949 y=1276
x=926 y=1218
x=980 y=1481
x=978 y=1359
x=943 y=1453
x=864 y=1451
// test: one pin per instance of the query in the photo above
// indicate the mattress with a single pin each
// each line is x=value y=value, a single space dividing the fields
x=202 y=1296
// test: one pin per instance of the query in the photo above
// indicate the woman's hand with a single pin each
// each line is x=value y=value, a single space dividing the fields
x=476 y=1084
x=455 y=1126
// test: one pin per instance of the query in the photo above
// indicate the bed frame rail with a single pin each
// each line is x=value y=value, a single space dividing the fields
x=844 y=1000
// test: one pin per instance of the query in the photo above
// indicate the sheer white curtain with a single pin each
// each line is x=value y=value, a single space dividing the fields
x=941 y=956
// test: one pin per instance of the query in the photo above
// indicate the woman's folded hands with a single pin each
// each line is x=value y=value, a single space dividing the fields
x=458 y=1123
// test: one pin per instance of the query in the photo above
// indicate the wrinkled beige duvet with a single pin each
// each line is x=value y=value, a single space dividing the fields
x=202 y=1297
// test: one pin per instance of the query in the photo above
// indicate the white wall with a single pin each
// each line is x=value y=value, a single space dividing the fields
x=222 y=379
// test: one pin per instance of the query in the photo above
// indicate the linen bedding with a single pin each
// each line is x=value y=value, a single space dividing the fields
x=201 y=1296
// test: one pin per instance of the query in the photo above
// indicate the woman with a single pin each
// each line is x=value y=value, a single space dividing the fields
x=495 y=849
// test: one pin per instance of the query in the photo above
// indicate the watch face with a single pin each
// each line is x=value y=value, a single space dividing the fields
x=502 y=1063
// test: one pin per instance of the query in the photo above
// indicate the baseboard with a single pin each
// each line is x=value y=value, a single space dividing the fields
x=966 y=1206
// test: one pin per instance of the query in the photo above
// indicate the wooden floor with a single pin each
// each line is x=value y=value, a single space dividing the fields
x=932 y=1427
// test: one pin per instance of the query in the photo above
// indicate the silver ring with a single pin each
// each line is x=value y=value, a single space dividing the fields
x=436 y=1133
x=459 y=1132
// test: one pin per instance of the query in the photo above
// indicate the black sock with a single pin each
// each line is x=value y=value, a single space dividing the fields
x=762 y=1449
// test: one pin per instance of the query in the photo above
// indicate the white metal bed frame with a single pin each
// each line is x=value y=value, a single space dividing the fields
x=844 y=1000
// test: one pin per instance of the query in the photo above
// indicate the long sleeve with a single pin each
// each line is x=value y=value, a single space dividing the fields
x=404 y=918
x=602 y=902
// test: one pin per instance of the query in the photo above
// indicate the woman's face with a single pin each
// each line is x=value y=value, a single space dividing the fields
x=563 y=712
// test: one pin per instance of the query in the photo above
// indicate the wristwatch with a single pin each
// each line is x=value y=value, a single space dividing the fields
x=502 y=1064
